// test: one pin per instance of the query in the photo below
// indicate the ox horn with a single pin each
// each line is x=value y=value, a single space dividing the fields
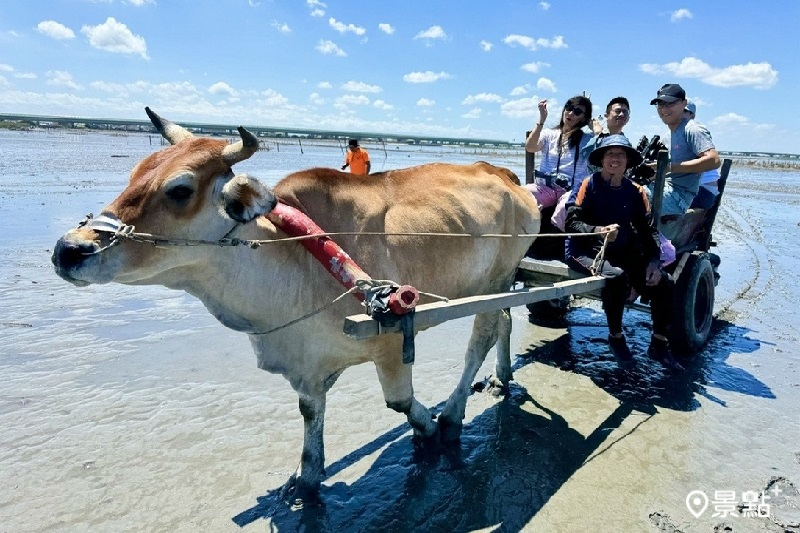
x=169 y=130
x=240 y=150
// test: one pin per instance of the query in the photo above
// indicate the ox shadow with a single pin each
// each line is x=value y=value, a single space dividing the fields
x=514 y=456
x=510 y=461
x=645 y=384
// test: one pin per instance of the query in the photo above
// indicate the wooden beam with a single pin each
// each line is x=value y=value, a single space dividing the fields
x=363 y=327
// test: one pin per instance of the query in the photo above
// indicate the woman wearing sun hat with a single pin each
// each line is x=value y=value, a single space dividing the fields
x=609 y=203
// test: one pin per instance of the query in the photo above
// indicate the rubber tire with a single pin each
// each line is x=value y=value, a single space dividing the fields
x=693 y=305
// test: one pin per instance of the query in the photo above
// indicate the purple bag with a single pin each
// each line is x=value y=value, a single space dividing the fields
x=667 y=250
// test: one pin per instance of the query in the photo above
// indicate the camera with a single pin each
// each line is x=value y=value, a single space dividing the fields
x=562 y=181
x=649 y=149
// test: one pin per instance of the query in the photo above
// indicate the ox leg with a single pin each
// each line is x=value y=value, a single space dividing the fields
x=398 y=391
x=304 y=484
x=502 y=368
x=484 y=336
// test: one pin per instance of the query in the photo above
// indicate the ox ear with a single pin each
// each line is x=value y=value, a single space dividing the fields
x=241 y=150
x=169 y=130
x=245 y=198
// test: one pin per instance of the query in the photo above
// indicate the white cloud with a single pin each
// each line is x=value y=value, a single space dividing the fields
x=316 y=99
x=485 y=45
x=532 y=44
x=360 y=87
x=730 y=119
x=25 y=75
x=519 y=90
x=115 y=37
x=317 y=8
x=281 y=27
x=473 y=113
x=6 y=68
x=426 y=102
x=522 y=108
x=482 y=98
x=534 y=67
x=55 y=30
x=273 y=98
x=222 y=88
x=329 y=47
x=4 y=82
x=386 y=28
x=524 y=41
x=546 y=85
x=757 y=75
x=680 y=14
x=434 y=32
x=344 y=28
x=544 y=5
x=425 y=77
x=324 y=85
x=343 y=102
x=555 y=43
x=380 y=104
x=140 y=3
x=61 y=78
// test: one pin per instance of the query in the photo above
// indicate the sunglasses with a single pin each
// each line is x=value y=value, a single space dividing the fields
x=577 y=111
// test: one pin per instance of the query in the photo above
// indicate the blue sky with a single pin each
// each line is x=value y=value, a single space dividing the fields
x=426 y=67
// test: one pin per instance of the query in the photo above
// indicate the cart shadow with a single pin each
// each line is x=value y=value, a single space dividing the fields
x=511 y=460
x=644 y=383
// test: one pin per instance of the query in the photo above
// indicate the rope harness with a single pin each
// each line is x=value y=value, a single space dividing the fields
x=385 y=300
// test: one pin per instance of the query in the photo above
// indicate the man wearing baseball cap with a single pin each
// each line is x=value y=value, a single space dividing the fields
x=691 y=153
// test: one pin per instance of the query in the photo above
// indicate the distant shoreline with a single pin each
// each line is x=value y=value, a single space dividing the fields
x=758 y=160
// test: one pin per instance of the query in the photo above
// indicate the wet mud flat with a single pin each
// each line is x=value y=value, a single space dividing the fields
x=131 y=409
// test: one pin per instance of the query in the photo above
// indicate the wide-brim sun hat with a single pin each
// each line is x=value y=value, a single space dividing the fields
x=619 y=140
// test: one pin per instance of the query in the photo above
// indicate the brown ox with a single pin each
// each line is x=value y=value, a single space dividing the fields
x=188 y=191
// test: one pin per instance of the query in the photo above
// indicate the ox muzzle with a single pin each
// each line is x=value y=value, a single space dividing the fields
x=91 y=237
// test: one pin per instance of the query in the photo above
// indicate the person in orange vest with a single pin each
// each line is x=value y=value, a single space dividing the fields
x=357 y=159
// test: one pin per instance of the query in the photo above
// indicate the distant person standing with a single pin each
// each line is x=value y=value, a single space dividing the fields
x=357 y=159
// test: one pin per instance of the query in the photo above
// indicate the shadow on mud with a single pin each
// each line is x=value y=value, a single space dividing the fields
x=645 y=384
x=508 y=464
x=513 y=457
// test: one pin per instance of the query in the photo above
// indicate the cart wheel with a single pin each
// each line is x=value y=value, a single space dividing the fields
x=693 y=305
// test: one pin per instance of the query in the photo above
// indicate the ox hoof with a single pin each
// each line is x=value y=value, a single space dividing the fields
x=299 y=494
x=496 y=386
x=449 y=431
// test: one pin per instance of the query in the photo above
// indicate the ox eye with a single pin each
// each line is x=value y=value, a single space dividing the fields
x=180 y=194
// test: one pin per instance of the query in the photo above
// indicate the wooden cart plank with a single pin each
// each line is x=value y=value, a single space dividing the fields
x=363 y=327
x=549 y=266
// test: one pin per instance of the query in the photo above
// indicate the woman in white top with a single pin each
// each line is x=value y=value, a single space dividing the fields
x=564 y=162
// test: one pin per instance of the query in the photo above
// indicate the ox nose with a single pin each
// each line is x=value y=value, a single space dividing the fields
x=68 y=255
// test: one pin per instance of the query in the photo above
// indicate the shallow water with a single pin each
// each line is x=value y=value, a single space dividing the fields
x=131 y=409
